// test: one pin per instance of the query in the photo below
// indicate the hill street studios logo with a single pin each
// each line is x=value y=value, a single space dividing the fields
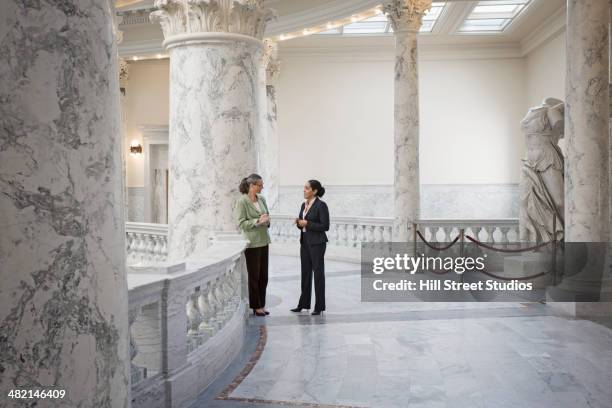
x=392 y=272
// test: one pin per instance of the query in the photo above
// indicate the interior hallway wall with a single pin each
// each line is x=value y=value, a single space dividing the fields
x=336 y=124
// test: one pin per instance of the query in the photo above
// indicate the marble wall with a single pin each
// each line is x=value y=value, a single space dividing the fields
x=135 y=204
x=63 y=297
x=449 y=201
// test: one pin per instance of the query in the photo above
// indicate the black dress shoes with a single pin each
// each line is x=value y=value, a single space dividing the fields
x=316 y=312
x=256 y=313
x=296 y=310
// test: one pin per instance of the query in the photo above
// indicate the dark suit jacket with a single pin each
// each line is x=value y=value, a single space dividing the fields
x=318 y=223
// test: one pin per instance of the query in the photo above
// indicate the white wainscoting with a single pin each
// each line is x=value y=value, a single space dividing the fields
x=446 y=201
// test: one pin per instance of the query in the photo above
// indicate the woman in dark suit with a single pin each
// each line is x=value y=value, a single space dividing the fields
x=313 y=221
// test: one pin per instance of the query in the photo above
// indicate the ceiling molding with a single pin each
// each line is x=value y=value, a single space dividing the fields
x=141 y=48
x=135 y=17
x=334 y=10
x=452 y=12
x=552 y=26
x=386 y=52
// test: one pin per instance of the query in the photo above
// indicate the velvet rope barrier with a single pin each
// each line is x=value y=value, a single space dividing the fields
x=433 y=246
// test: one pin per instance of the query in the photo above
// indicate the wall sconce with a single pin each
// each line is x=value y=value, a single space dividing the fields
x=135 y=147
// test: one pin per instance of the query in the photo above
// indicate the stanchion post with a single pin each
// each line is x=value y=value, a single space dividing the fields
x=414 y=238
x=461 y=246
x=554 y=250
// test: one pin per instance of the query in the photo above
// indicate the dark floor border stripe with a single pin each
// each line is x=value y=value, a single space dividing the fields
x=290 y=403
x=261 y=344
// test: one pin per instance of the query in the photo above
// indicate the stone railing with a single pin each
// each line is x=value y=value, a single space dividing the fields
x=500 y=231
x=351 y=231
x=343 y=231
x=187 y=323
x=146 y=242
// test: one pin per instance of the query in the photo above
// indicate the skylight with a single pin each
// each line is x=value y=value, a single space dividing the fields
x=492 y=16
x=380 y=25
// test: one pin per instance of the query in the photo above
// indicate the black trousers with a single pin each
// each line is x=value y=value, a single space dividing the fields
x=257 y=268
x=312 y=257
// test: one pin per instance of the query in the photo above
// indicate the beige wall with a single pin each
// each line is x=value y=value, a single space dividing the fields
x=336 y=117
x=147 y=104
x=336 y=121
x=546 y=71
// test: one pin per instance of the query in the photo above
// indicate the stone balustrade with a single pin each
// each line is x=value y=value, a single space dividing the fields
x=500 y=231
x=187 y=322
x=343 y=231
x=146 y=242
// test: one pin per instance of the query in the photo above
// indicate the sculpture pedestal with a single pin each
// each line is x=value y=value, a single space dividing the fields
x=529 y=264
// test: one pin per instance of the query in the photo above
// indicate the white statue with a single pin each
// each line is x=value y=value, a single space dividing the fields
x=541 y=188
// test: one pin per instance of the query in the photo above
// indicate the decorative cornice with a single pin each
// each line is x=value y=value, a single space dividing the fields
x=244 y=17
x=135 y=17
x=118 y=33
x=552 y=26
x=406 y=15
x=384 y=50
x=270 y=61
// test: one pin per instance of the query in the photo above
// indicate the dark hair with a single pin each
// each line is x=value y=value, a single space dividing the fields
x=316 y=185
x=247 y=181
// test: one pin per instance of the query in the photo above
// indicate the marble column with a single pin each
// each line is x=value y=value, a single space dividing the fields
x=124 y=71
x=63 y=297
x=406 y=18
x=268 y=141
x=215 y=49
x=587 y=119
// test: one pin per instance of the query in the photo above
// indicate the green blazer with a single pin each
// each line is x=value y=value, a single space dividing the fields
x=246 y=216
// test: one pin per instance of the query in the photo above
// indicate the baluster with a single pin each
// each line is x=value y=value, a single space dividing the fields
x=333 y=233
x=205 y=329
x=341 y=234
x=157 y=256
x=140 y=247
x=388 y=233
x=193 y=322
x=434 y=234
x=222 y=311
x=515 y=234
x=129 y=246
x=150 y=247
x=351 y=234
x=359 y=235
x=504 y=235
x=426 y=232
x=489 y=231
x=476 y=232
x=377 y=232
x=164 y=247
x=368 y=233
x=135 y=371
x=447 y=232
x=214 y=307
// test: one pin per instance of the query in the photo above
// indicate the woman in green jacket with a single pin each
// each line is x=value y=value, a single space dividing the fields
x=252 y=217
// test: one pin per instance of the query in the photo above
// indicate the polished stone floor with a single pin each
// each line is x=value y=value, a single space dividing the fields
x=448 y=355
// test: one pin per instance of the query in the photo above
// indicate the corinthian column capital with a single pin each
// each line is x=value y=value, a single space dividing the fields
x=246 y=17
x=270 y=61
x=406 y=15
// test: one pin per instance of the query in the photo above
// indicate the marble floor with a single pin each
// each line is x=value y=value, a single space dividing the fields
x=448 y=355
